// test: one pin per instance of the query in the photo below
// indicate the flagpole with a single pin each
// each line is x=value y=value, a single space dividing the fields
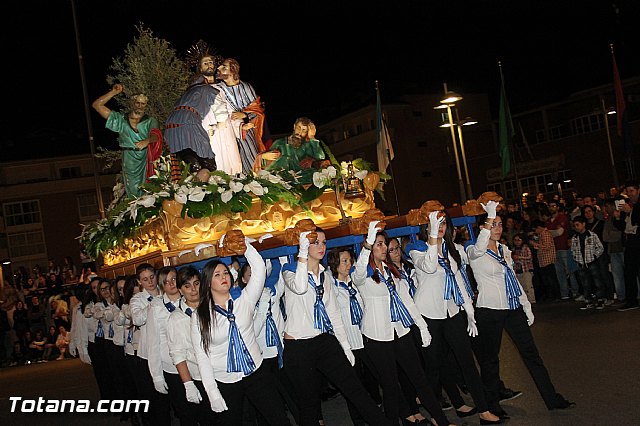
x=606 y=126
x=510 y=142
x=388 y=151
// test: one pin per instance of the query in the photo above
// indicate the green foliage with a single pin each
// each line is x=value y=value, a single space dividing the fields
x=150 y=66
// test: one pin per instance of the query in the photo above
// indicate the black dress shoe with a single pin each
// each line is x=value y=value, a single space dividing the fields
x=500 y=413
x=462 y=414
x=562 y=404
x=492 y=422
x=507 y=394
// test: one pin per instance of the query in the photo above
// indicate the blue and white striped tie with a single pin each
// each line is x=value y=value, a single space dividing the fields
x=111 y=332
x=412 y=285
x=238 y=357
x=354 y=305
x=450 y=283
x=510 y=280
x=130 y=335
x=100 y=330
x=399 y=311
x=272 y=336
x=321 y=319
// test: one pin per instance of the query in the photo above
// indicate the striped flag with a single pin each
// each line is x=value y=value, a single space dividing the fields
x=622 y=116
x=384 y=148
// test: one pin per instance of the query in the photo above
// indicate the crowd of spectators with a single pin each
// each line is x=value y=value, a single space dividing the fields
x=35 y=313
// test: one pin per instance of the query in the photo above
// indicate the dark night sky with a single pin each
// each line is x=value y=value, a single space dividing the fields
x=319 y=58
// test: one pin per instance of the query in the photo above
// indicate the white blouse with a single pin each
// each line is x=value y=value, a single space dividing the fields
x=344 y=304
x=179 y=339
x=158 y=350
x=213 y=364
x=124 y=319
x=489 y=275
x=139 y=310
x=431 y=276
x=300 y=299
x=376 y=321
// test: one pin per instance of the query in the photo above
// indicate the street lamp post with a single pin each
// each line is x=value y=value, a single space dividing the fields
x=462 y=151
x=448 y=101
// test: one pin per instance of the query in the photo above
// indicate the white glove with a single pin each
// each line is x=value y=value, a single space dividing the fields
x=221 y=240
x=434 y=224
x=160 y=385
x=490 y=208
x=426 y=337
x=264 y=237
x=217 y=401
x=372 y=231
x=193 y=394
x=84 y=357
x=472 y=328
x=530 y=318
x=349 y=353
x=304 y=243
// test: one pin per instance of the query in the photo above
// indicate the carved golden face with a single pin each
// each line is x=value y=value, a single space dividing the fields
x=234 y=243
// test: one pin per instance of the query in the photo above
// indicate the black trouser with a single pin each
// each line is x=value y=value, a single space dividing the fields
x=258 y=388
x=124 y=384
x=364 y=369
x=104 y=377
x=491 y=323
x=549 y=280
x=631 y=274
x=159 y=404
x=305 y=357
x=284 y=389
x=402 y=352
x=452 y=333
x=190 y=414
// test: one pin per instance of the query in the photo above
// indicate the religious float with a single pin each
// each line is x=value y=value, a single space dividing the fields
x=183 y=222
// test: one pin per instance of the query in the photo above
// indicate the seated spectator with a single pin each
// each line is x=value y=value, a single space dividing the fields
x=62 y=342
x=36 y=314
x=18 y=357
x=36 y=347
x=20 y=319
x=60 y=312
x=50 y=348
x=54 y=284
x=53 y=268
x=69 y=271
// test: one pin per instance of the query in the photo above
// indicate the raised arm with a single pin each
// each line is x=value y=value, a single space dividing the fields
x=99 y=104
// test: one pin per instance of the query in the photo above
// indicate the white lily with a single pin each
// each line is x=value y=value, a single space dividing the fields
x=331 y=172
x=226 y=196
x=181 y=196
x=196 y=194
x=146 y=200
x=361 y=174
x=254 y=187
x=236 y=186
x=319 y=179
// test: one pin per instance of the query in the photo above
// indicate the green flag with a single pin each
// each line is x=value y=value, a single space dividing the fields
x=506 y=131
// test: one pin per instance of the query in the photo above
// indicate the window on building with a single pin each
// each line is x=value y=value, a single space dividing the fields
x=69 y=172
x=587 y=124
x=28 y=243
x=358 y=129
x=22 y=213
x=88 y=206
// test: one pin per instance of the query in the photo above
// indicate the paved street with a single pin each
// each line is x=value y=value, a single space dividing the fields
x=593 y=358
